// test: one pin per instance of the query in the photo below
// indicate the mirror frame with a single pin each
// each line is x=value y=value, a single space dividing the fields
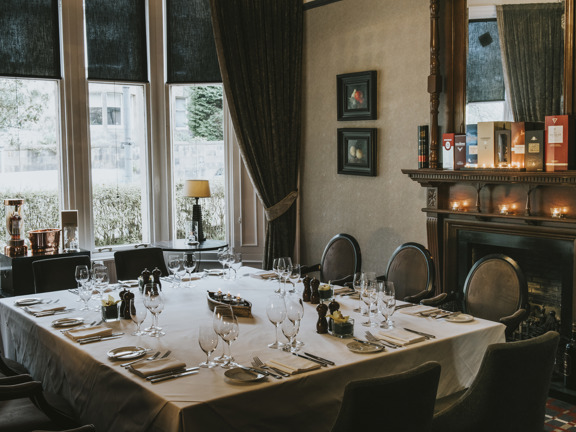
x=453 y=19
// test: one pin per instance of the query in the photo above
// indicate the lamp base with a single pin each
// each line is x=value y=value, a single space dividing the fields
x=197 y=217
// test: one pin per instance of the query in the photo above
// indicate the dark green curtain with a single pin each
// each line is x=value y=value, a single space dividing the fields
x=532 y=41
x=259 y=45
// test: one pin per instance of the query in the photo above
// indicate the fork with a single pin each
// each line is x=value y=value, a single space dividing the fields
x=259 y=363
x=152 y=357
x=267 y=372
x=374 y=339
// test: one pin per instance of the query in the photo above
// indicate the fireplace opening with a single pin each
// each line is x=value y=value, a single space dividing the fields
x=548 y=265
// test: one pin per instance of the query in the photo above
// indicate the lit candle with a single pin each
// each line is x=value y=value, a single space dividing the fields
x=556 y=212
x=455 y=206
x=504 y=209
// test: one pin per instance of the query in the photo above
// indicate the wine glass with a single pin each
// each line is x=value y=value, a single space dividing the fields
x=154 y=302
x=276 y=312
x=85 y=294
x=369 y=294
x=290 y=329
x=294 y=313
x=222 y=256
x=138 y=314
x=390 y=295
x=286 y=272
x=294 y=277
x=280 y=267
x=229 y=331
x=229 y=262
x=236 y=263
x=82 y=274
x=219 y=312
x=357 y=285
x=174 y=261
x=190 y=266
x=208 y=341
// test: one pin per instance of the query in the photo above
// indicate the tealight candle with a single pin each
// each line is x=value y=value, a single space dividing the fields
x=558 y=212
x=456 y=206
x=504 y=209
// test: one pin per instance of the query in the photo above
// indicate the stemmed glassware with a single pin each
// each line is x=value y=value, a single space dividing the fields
x=294 y=277
x=138 y=314
x=291 y=326
x=286 y=272
x=225 y=324
x=236 y=263
x=222 y=257
x=276 y=312
x=154 y=302
x=389 y=294
x=357 y=285
x=82 y=274
x=174 y=261
x=208 y=341
x=85 y=294
x=369 y=296
x=190 y=266
x=279 y=266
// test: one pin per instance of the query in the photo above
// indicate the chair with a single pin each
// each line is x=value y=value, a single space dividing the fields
x=56 y=274
x=340 y=260
x=130 y=263
x=509 y=392
x=401 y=402
x=411 y=269
x=25 y=407
x=496 y=289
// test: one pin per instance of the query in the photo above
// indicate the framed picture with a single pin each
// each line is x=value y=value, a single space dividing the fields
x=357 y=96
x=357 y=152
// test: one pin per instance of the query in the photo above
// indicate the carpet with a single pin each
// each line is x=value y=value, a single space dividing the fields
x=560 y=416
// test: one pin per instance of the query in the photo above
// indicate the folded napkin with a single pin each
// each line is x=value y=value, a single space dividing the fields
x=193 y=277
x=292 y=365
x=400 y=337
x=264 y=275
x=343 y=290
x=39 y=310
x=129 y=283
x=419 y=309
x=99 y=330
x=148 y=368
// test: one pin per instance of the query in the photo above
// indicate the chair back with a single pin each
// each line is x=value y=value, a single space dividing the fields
x=400 y=402
x=341 y=258
x=495 y=287
x=54 y=274
x=131 y=263
x=411 y=269
x=509 y=392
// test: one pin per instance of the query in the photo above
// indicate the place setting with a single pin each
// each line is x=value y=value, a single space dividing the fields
x=91 y=334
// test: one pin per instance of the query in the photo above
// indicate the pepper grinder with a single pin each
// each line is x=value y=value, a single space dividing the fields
x=315 y=296
x=322 y=323
x=307 y=291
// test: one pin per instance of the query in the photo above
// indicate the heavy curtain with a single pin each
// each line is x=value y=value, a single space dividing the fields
x=532 y=40
x=259 y=45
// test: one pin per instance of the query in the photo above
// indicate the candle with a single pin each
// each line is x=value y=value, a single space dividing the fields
x=456 y=206
x=504 y=209
x=555 y=212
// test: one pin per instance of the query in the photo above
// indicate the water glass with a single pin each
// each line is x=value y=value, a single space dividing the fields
x=223 y=324
x=138 y=314
x=190 y=266
x=208 y=341
x=174 y=261
x=276 y=312
x=389 y=297
x=154 y=302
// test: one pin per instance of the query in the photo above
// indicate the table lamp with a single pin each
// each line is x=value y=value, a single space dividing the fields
x=197 y=189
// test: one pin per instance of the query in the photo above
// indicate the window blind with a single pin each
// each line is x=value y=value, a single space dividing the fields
x=191 y=50
x=116 y=40
x=29 y=41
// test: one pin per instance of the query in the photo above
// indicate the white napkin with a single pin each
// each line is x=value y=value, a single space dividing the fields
x=40 y=310
x=292 y=365
x=193 y=277
x=417 y=310
x=147 y=368
x=132 y=283
x=99 y=330
x=400 y=337
x=263 y=275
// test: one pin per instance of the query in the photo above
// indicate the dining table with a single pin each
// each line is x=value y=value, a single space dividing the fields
x=113 y=398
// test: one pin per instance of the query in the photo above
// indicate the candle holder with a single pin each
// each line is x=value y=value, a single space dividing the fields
x=558 y=212
x=15 y=227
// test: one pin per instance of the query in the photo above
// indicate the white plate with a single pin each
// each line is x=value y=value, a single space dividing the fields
x=462 y=318
x=67 y=322
x=361 y=348
x=214 y=272
x=126 y=353
x=242 y=375
x=28 y=301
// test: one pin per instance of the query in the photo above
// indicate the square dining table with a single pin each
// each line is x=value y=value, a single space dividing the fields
x=114 y=399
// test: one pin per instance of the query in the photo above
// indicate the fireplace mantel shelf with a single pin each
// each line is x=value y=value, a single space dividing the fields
x=491 y=176
x=484 y=216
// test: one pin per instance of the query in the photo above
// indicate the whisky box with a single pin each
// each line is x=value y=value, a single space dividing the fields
x=559 y=135
x=472 y=145
x=459 y=151
x=518 y=141
x=423 y=146
x=534 y=150
x=486 y=142
x=448 y=151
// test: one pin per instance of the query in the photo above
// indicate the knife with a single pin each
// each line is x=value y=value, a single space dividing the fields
x=407 y=305
x=265 y=372
x=178 y=375
x=99 y=338
x=379 y=345
x=330 y=362
x=426 y=335
x=311 y=359
x=171 y=372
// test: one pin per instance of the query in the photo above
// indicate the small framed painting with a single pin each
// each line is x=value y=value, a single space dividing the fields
x=357 y=152
x=357 y=96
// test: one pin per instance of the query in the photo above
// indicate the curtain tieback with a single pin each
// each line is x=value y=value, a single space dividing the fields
x=281 y=207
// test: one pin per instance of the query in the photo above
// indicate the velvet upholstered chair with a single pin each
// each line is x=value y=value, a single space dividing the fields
x=340 y=260
x=130 y=263
x=509 y=392
x=401 y=402
x=56 y=274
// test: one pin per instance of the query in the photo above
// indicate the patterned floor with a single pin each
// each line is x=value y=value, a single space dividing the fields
x=560 y=416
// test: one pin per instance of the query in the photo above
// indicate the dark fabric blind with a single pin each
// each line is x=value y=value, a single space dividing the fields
x=484 y=75
x=191 y=51
x=29 y=38
x=116 y=40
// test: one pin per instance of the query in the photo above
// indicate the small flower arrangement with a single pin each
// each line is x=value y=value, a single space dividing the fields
x=109 y=301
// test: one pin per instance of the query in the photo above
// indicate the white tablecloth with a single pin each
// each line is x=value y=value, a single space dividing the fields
x=115 y=400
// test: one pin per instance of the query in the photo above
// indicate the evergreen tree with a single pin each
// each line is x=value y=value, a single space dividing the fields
x=205 y=112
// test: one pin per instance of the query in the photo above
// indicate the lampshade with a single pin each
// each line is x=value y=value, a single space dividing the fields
x=197 y=188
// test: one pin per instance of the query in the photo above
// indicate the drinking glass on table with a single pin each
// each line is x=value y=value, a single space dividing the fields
x=174 y=261
x=286 y=273
x=138 y=314
x=236 y=263
x=154 y=302
x=208 y=341
x=276 y=312
x=190 y=266
x=389 y=294
x=85 y=294
x=222 y=257
x=295 y=278
x=229 y=330
x=369 y=296
x=294 y=313
x=290 y=330
x=221 y=311
x=357 y=285
x=279 y=267
x=82 y=274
